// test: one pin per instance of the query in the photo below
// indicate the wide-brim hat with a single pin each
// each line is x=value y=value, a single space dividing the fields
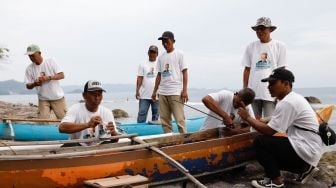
x=264 y=21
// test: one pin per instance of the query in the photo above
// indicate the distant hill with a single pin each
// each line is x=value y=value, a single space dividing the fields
x=13 y=87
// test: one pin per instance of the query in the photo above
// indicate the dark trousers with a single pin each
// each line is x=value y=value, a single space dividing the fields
x=275 y=154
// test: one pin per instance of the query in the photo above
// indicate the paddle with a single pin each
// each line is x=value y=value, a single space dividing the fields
x=171 y=161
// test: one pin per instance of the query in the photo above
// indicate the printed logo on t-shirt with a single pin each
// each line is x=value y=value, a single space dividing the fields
x=150 y=74
x=166 y=72
x=263 y=63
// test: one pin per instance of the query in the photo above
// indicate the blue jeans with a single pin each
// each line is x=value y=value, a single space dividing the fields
x=144 y=107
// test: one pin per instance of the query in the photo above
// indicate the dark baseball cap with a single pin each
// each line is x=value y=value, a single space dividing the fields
x=167 y=35
x=93 y=85
x=153 y=48
x=280 y=74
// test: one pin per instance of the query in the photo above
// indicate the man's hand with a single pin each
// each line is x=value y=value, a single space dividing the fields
x=94 y=121
x=184 y=96
x=111 y=129
x=242 y=111
x=228 y=122
x=43 y=79
x=154 y=97
x=137 y=95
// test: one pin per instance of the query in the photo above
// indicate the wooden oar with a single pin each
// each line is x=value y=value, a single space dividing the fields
x=11 y=143
x=171 y=161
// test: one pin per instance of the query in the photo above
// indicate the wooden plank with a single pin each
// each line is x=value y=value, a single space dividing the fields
x=118 y=181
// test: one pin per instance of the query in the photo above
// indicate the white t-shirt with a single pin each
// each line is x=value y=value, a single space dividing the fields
x=262 y=58
x=50 y=90
x=295 y=110
x=170 y=65
x=225 y=100
x=79 y=114
x=148 y=71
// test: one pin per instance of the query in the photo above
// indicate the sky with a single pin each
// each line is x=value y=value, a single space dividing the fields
x=106 y=40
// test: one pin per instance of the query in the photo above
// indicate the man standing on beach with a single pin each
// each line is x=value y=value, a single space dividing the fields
x=224 y=105
x=145 y=85
x=172 y=78
x=89 y=119
x=44 y=75
x=301 y=150
x=260 y=58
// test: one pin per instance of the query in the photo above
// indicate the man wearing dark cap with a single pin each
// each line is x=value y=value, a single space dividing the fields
x=301 y=150
x=89 y=119
x=260 y=58
x=171 y=84
x=145 y=85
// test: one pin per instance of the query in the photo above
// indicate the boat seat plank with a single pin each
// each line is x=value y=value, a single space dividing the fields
x=119 y=181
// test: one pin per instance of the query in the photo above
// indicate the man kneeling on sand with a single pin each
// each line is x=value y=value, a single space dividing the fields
x=89 y=119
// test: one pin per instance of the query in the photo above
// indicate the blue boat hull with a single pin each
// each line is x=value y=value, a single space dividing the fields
x=44 y=132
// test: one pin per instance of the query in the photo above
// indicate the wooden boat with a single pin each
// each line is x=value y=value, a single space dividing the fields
x=42 y=131
x=16 y=130
x=202 y=153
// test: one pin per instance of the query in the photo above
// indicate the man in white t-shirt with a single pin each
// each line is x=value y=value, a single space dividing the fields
x=223 y=107
x=172 y=78
x=89 y=119
x=44 y=75
x=301 y=150
x=145 y=85
x=259 y=59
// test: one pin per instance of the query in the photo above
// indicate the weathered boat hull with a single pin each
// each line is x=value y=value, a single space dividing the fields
x=198 y=157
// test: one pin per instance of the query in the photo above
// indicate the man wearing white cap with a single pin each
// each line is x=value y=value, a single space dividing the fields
x=44 y=75
x=89 y=119
x=260 y=58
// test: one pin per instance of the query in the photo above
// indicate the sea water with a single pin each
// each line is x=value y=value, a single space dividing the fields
x=127 y=102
